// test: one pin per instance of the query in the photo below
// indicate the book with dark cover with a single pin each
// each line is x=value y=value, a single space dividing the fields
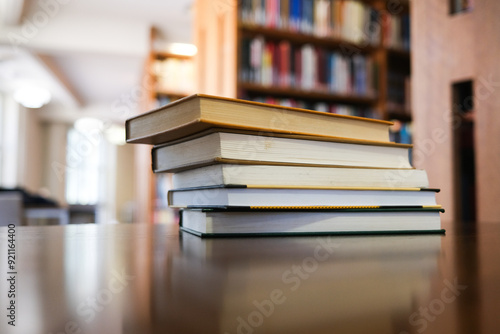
x=244 y=222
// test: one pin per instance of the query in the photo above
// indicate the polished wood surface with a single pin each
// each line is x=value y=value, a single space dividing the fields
x=152 y=279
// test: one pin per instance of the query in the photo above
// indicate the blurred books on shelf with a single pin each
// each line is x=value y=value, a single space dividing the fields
x=323 y=18
x=174 y=75
x=396 y=30
x=307 y=67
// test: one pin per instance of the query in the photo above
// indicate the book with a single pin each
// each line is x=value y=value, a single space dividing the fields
x=247 y=196
x=220 y=222
x=261 y=148
x=199 y=112
x=286 y=176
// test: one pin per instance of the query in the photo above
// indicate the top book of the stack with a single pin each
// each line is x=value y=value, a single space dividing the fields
x=198 y=112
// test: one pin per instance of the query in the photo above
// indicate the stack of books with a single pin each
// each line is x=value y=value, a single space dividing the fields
x=246 y=168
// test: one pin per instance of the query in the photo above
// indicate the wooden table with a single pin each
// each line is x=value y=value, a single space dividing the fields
x=151 y=279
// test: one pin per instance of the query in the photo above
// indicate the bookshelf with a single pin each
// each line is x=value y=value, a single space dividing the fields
x=169 y=77
x=349 y=57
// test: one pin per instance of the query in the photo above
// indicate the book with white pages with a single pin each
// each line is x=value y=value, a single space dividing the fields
x=301 y=176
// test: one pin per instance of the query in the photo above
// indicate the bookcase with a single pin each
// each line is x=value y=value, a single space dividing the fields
x=169 y=77
x=343 y=56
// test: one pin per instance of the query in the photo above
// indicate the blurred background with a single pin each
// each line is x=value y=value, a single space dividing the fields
x=72 y=72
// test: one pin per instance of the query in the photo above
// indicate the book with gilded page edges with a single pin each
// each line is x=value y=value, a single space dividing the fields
x=199 y=112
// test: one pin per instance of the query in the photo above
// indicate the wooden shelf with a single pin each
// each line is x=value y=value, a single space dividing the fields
x=301 y=38
x=164 y=55
x=305 y=94
x=398 y=112
x=170 y=93
x=398 y=52
x=399 y=116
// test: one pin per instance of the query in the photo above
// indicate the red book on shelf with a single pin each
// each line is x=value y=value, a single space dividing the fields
x=284 y=71
x=298 y=67
x=276 y=64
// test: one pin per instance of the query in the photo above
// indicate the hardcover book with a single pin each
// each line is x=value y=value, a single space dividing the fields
x=245 y=196
x=251 y=147
x=199 y=112
x=299 y=176
x=223 y=222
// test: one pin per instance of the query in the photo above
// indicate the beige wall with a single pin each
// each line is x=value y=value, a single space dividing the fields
x=31 y=155
x=54 y=159
x=22 y=146
x=215 y=37
x=125 y=187
x=487 y=55
x=446 y=49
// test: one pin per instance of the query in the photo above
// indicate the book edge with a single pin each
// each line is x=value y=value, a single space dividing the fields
x=309 y=234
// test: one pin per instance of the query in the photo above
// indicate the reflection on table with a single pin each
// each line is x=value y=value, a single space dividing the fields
x=151 y=279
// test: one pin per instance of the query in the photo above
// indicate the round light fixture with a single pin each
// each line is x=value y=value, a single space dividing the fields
x=86 y=124
x=31 y=96
x=116 y=134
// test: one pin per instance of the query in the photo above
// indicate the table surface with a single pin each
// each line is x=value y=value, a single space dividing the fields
x=154 y=279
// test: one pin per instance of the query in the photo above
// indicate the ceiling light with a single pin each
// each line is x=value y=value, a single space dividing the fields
x=116 y=134
x=87 y=124
x=32 y=96
x=182 y=49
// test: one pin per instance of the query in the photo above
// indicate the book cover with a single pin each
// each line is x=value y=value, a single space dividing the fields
x=299 y=176
x=265 y=148
x=273 y=196
x=199 y=112
x=221 y=222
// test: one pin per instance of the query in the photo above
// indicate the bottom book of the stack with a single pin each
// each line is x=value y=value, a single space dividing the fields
x=269 y=221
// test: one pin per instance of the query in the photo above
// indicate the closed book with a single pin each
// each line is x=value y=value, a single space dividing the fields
x=288 y=176
x=273 y=196
x=263 y=148
x=199 y=112
x=223 y=223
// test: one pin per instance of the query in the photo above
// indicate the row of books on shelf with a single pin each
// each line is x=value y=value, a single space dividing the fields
x=396 y=31
x=243 y=168
x=174 y=75
x=306 y=67
x=345 y=19
x=334 y=108
x=349 y=20
x=401 y=132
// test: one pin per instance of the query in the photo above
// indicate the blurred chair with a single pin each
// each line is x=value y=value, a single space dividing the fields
x=46 y=214
x=11 y=208
x=17 y=204
x=82 y=214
